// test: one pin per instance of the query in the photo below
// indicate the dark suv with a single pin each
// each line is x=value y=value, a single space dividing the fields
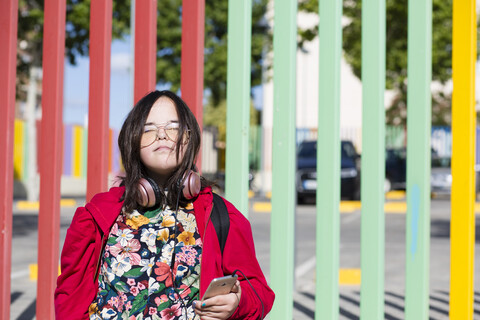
x=306 y=176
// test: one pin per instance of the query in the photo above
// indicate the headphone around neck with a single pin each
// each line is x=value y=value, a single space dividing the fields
x=149 y=191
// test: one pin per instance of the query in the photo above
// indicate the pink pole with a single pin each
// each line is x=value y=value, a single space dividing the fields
x=145 y=47
x=99 y=96
x=50 y=156
x=8 y=62
x=193 y=33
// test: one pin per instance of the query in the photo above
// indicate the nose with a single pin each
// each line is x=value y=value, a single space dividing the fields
x=161 y=135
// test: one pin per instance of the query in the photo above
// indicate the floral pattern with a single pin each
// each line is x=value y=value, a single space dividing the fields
x=136 y=280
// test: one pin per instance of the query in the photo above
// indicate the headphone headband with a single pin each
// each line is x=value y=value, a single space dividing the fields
x=149 y=191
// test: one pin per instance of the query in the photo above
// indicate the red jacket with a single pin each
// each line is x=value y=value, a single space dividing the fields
x=77 y=285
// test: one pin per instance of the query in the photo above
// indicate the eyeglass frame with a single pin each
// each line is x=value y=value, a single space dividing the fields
x=163 y=126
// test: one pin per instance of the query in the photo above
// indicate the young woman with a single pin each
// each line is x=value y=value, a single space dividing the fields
x=148 y=249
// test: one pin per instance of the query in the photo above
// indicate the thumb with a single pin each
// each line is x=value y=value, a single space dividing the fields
x=236 y=288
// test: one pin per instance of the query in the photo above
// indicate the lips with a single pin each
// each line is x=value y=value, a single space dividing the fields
x=163 y=148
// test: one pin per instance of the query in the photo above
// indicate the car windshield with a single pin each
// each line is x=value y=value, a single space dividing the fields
x=348 y=150
x=307 y=150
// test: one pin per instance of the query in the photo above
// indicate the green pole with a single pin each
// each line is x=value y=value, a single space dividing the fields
x=418 y=159
x=238 y=102
x=283 y=158
x=373 y=160
x=328 y=161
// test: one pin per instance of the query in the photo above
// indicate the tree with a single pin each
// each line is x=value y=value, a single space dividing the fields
x=169 y=32
x=216 y=31
x=396 y=54
x=216 y=116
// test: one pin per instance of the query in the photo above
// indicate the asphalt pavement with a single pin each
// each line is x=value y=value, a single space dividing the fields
x=24 y=254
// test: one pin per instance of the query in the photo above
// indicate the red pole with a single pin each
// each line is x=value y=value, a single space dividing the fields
x=8 y=62
x=145 y=47
x=193 y=33
x=50 y=156
x=99 y=96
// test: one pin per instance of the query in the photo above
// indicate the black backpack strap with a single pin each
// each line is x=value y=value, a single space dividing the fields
x=220 y=220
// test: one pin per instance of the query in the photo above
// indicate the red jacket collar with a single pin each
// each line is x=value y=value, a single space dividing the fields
x=105 y=207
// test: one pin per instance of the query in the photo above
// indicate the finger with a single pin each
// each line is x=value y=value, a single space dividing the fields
x=212 y=315
x=236 y=287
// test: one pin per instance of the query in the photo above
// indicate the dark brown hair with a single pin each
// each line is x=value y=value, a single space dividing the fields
x=129 y=145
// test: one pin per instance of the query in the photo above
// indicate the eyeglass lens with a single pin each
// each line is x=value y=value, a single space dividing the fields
x=152 y=132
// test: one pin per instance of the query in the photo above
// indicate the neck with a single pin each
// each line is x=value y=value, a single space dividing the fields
x=160 y=180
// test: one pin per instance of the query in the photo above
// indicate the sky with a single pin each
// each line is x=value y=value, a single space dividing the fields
x=121 y=93
x=76 y=87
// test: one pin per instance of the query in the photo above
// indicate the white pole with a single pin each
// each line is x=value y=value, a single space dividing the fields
x=132 y=51
x=31 y=179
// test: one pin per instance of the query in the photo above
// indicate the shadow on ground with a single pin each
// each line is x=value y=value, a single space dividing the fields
x=440 y=228
x=394 y=303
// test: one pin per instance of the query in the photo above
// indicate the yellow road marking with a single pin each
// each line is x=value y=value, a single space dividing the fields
x=395 y=195
x=477 y=207
x=395 y=207
x=262 y=206
x=34 y=271
x=349 y=277
x=349 y=206
x=35 y=205
x=27 y=205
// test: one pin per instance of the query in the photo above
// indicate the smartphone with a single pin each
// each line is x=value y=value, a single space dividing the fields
x=222 y=285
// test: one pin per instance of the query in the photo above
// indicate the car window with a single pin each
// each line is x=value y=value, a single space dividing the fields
x=441 y=162
x=348 y=150
x=307 y=150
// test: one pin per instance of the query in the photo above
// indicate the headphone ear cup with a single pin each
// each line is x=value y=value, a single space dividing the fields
x=191 y=185
x=149 y=193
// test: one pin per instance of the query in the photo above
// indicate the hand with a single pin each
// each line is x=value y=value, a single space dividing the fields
x=220 y=307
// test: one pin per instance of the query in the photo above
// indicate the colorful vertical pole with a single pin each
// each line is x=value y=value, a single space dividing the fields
x=50 y=155
x=8 y=63
x=238 y=102
x=328 y=161
x=419 y=102
x=373 y=160
x=462 y=239
x=282 y=233
x=193 y=33
x=145 y=48
x=99 y=96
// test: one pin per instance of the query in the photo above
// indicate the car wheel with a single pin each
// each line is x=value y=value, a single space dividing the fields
x=300 y=199
x=355 y=196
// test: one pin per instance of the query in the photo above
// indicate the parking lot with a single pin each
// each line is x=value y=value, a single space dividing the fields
x=25 y=239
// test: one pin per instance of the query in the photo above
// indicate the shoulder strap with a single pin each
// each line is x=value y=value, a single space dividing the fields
x=220 y=220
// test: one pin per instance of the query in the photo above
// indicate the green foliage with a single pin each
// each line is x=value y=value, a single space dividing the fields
x=396 y=51
x=215 y=54
x=216 y=116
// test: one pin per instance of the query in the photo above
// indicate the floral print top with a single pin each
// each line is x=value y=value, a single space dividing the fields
x=136 y=281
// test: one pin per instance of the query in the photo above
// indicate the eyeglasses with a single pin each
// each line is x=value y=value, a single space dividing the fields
x=152 y=132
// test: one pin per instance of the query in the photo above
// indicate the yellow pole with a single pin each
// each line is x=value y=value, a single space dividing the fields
x=77 y=151
x=18 y=149
x=462 y=239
